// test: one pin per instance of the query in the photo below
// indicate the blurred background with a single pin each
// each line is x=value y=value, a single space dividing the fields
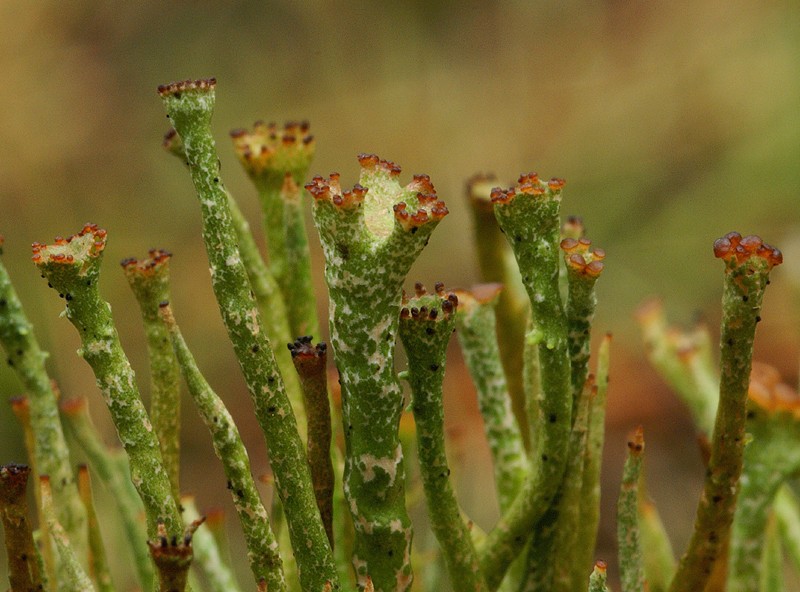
x=673 y=123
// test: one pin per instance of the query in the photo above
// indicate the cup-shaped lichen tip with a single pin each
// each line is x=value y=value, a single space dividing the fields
x=176 y=89
x=429 y=307
x=271 y=150
x=736 y=250
x=330 y=189
x=581 y=259
x=82 y=251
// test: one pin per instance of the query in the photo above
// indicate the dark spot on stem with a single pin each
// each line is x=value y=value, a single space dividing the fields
x=553 y=418
x=434 y=367
x=745 y=298
x=255 y=349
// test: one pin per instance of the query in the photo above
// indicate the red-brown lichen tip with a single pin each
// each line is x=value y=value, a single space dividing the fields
x=373 y=163
x=176 y=88
x=426 y=307
x=529 y=184
x=330 y=190
x=88 y=244
x=636 y=441
x=73 y=405
x=411 y=221
x=304 y=348
x=734 y=248
x=580 y=259
x=157 y=260
x=268 y=148
x=478 y=294
x=601 y=566
x=770 y=393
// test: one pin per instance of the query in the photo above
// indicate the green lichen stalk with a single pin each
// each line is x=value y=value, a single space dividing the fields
x=311 y=364
x=208 y=552
x=149 y=280
x=476 y=333
x=529 y=216
x=426 y=324
x=49 y=455
x=748 y=262
x=262 y=548
x=370 y=237
x=98 y=560
x=599 y=577
x=72 y=267
x=190 y=107
x=629 y=541
x=24 y=569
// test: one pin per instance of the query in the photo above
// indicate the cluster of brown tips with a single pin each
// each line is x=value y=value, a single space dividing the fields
x=302 y=348
x=256 y=149
x=734 y=246
x=636 y=441
x=157 y=258
x=59 y=251
x=449 y=303
x=331 y=190
x=527 y=183
x=165 y=546
x=175 y=88
x=372 y=162
x=581 y=259
x=426 y=198
x=770 y=393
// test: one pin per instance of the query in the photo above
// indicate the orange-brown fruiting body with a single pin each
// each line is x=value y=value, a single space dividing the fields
x=733 y=246
x=174 y=88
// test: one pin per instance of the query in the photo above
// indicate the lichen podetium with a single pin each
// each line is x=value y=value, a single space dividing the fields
x=370 y=236
x=190 y=106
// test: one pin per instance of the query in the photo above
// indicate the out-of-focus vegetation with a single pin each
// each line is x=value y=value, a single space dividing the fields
x=672 y=122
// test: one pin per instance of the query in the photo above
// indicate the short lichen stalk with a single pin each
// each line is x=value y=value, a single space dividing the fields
x=190 y=106
x=277 y=161
x=72 y=267
x=149 y=281
x=426 y=324
x=207 y=552
x=113 y=470
x=265 y=562
x=477 y=335
x=748 y=262
x=49 y=455
x=599 y=578
x=497 y=264
x=368 y=253
x=770 y=459
x=311 y=364
x=172 y=556
x=24 y=568
x=529 y=216
x=629 y=543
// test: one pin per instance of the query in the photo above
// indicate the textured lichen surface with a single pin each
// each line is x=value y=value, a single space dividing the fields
x=370 y=236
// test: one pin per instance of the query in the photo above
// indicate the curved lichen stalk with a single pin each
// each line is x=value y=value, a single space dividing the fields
x=748 y=262
x=190 y=106
x=370 y=236
x=72 y=268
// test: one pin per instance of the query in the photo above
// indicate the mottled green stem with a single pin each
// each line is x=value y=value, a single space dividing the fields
x=772 y=559
x=277 y=161
x=267 y=293
x=368 y=252
x=149 y=280
x=190 y=106
x=173 y=556
x=426 y=324
x=629 y=543
x=598 y=579
x=593 y=460
x=50 y=455
x=311 y=365
x=217 y=574
x=770 y=459
x=529 y=216
x=98 y=562
x=262 y=549
x=497 y=264
x=72 y=267
x=24 y=569
x=747 y=264
x=659 y=558
x=72 y=576
x=113 y=470
x=478 y=338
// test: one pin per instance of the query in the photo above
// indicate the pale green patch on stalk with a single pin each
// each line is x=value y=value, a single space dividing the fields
x=629 y=540
x=748 y=262
x=497 y=264
x=72 y=267
x=149 y=281
x=265 y=561
x=72 y=576
x=113 y=470
x=98 y=562
x=190 y=106
x=217 y=574
x=25 y=570
x=477 y=335
x=49 y=454
x=370 y=237
x=426 y=324
x=529 y=215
